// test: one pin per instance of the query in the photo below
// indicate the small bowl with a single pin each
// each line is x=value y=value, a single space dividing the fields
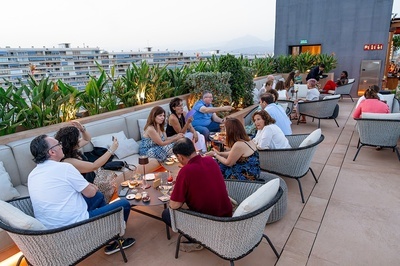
x=169 y=162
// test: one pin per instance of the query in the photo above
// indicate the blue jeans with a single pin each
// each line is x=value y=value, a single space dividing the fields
x=97 y=205
x=205 y=131
x=166 y=217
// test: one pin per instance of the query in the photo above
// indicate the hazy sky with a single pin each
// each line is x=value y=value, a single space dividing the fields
x=132 y=25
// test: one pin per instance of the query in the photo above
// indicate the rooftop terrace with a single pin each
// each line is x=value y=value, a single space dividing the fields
x=351 y=217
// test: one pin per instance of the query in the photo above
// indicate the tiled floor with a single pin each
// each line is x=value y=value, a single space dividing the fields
x=351 y=217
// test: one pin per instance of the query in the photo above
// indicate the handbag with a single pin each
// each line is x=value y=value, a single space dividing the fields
x=114 y=165
x=105 y=181
x=118 y=165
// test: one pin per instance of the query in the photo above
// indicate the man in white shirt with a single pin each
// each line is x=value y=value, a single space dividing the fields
x=267 y=102
x=61 y=196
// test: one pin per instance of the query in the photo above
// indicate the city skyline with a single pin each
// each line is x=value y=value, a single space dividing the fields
x=131 y=25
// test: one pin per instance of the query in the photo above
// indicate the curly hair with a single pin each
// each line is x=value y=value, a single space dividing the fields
x=174 y=103
x=69 y=137
x=264 y=116
x=151 y=119
x=234 y=131
x=39 y=148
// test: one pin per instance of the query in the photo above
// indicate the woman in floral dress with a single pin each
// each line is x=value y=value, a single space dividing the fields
x=242 y=160
x=155 y=143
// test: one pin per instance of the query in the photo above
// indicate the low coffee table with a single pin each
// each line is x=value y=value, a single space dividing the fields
x=154 y=201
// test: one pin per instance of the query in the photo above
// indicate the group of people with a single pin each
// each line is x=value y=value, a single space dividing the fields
x=157 y=140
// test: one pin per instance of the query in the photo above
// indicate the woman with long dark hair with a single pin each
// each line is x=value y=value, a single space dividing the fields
x=71 y=141
x=242 y=160
x=177 y=123
x=155 y=143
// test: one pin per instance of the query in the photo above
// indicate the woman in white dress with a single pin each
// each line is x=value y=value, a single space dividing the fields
x=269 y=135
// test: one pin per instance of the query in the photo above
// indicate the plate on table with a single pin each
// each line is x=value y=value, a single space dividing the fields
x=150 y=177
x=212 y=135
x=125 y=183
x=130 y=196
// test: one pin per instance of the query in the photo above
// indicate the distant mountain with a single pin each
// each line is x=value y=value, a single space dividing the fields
x=244 y=45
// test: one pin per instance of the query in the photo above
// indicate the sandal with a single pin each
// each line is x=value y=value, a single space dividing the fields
x=189 y=247
x=303 y=121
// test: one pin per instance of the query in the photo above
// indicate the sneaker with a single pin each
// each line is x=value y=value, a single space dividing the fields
x=189 y=247
x=113 y=247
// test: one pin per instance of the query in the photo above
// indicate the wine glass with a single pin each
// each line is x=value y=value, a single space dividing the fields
x=164 y=187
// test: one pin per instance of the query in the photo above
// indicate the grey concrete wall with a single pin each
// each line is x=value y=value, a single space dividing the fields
x=340 y=26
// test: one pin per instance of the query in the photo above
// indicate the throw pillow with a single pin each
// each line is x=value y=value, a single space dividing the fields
x=259 y=198
x=7 y=190
x=312 y=138
x=16 y=218
x=141 y=124
x=127 y=147
x=105 y=141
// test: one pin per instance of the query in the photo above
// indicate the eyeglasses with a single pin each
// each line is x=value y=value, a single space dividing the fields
x=58 y=144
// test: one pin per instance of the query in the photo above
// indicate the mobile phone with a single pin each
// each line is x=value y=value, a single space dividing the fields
x=123 y=192
x=112 y=138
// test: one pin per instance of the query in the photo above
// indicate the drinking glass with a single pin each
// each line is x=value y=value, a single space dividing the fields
x=164 y=187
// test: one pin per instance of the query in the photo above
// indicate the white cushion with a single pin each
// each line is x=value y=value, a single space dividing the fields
x=312 y=138
x=331 y=97
x=391 y=116
x=7 y=190
x=389 y=100
x=258 y=199
x=126 y=147
x=141 y=124
x=14 y=217
x=105 y=141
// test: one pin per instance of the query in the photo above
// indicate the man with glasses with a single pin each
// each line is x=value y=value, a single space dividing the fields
x=205 y=119
x=61 y=196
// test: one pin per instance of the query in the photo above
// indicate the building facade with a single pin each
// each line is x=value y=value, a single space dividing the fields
x=74 y=66
x=355 y=31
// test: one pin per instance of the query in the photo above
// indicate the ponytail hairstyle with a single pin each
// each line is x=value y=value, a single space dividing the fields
x=370 y=93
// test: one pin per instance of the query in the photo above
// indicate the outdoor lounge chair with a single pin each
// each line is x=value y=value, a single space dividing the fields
x=344 y=90
x=289 y=106
x=378 y=132
x=321 y=109
x=294 y=162
x=66 y=245
x=231 y=238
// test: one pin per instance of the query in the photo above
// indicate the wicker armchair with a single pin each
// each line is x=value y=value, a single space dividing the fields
x=292 y=163
x=289 y=106
x=345 y=90
x=321 y=109
x=378 y=132
x=66 y=245
x=230 y=238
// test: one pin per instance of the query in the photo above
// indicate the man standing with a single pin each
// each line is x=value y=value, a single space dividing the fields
x=199 y=184
x=205 y=120
x=316 y=72
x=61 y=196
x=267 y=102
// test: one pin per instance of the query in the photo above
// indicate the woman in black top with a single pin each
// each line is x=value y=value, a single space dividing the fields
x=71 y=141
x=178 y=124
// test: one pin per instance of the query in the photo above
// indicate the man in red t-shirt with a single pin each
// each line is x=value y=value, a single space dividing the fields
x=199 y=184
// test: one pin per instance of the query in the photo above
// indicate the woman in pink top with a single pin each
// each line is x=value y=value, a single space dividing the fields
x=371 y=104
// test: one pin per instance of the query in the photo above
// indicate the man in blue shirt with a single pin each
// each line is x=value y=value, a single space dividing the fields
x=276 y=112
x=205 y=119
